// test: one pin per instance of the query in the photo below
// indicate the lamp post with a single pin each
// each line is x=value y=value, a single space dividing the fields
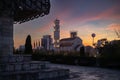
x=97 y=55
x=93 y=36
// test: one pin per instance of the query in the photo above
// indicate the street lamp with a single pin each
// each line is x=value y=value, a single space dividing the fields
x=93 y=36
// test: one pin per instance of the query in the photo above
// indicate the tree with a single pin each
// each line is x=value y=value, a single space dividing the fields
x=82 y=51
x=28 y=46
x=112 y=49
x=100 y=44
x=110 y=54
x=117 y=32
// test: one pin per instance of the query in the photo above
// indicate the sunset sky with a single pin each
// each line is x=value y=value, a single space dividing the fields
x=84 y=16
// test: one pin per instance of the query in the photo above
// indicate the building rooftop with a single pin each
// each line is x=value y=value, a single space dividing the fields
x=66 y=44
x=68 y=39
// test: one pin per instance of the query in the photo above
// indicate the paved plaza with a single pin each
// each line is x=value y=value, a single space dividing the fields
x=89 y=73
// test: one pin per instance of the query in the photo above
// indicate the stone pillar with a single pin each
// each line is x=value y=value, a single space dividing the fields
x=6 y=36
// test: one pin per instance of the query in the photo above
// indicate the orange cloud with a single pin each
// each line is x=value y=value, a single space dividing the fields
x=111 y=13
x=113 y=27
x=45 y=28
x=64 y=34
x=18 y=41
x=64 y=14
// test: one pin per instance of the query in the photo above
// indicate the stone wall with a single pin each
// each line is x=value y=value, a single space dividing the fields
x=6 y=36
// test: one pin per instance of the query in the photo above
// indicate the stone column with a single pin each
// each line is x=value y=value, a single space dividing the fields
x=6 y=36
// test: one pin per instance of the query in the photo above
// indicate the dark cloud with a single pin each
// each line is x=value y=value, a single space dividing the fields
x=83 y=6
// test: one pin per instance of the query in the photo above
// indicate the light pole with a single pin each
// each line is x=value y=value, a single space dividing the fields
x=93 y=36
x=97 y=55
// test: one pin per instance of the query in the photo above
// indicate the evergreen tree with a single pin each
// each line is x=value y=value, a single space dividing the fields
x=28 y=46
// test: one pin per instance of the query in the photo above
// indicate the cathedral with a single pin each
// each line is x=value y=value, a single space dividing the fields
x=74 y=43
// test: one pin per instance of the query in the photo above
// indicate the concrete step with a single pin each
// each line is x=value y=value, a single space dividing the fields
x=15 y=58
x=23 y=66
x=45 y=74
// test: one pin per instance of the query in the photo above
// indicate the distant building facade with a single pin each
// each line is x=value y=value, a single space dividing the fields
x=73 y=43
x=46 y=42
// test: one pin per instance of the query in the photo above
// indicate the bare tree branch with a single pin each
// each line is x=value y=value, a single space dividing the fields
x=117 y=32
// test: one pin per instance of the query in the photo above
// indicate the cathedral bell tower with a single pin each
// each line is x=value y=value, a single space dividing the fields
x=56 y=33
